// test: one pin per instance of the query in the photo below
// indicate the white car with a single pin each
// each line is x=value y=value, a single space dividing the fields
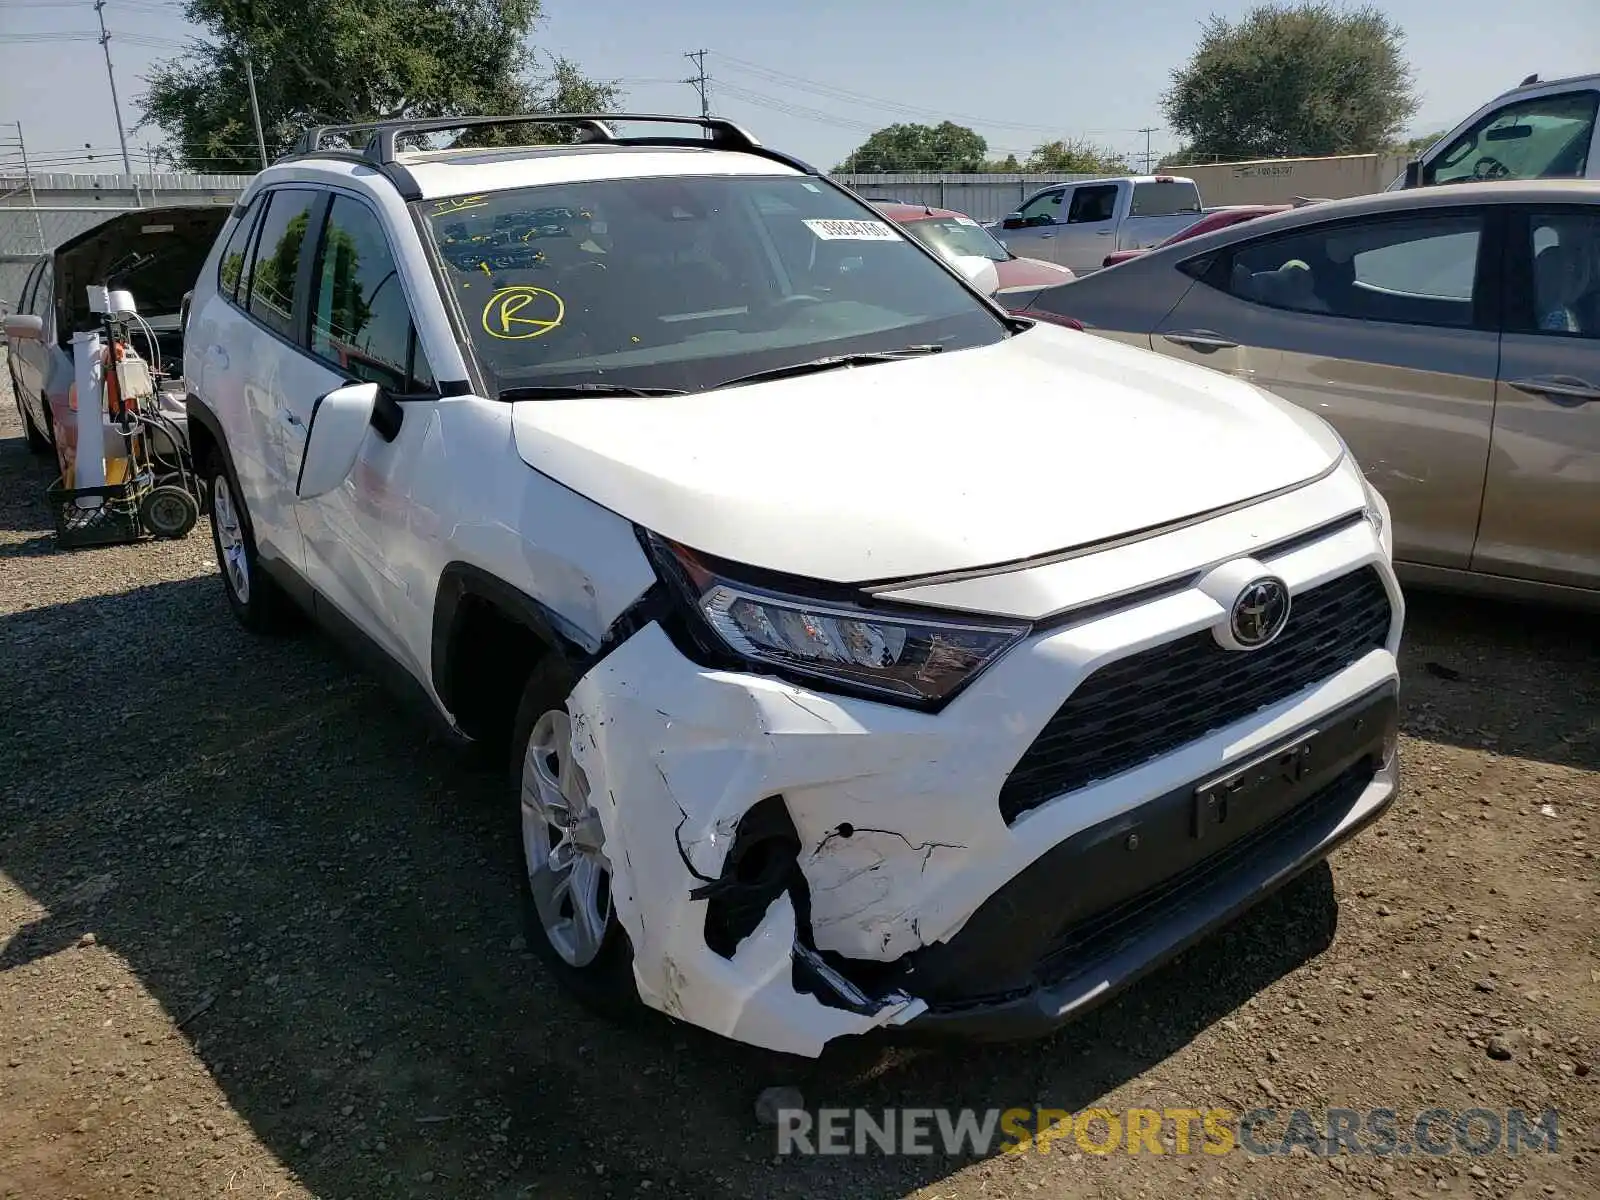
x=865 y=656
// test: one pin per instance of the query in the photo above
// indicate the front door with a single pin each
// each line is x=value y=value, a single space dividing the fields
x=1381 y=326
x=1541 y=503
x=1090 y=232
x=1041 y=223
x=359 y=537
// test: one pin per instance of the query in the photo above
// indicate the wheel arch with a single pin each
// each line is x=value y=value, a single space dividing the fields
x=205 y=438
x=489 y=636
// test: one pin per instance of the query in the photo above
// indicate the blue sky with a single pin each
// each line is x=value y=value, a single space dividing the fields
x=815 y=79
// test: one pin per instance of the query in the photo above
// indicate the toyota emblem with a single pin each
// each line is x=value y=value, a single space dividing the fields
x=1260 y=613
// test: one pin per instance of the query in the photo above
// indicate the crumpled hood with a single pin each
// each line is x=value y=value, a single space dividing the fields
x=1049 y=440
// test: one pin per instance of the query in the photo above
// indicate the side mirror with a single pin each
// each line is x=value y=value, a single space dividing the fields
x=1012 y=221
x=1414 y=173
x=25 y=327
x=339 y=424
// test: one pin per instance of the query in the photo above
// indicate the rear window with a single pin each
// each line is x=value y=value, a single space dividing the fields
x=1165 y=198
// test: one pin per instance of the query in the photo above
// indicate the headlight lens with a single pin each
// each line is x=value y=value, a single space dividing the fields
x=911 y=658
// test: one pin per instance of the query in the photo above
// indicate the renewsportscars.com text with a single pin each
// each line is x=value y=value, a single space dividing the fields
x=1379 y=1132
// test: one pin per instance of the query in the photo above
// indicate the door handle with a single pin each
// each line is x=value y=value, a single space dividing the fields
x=1045 y=235
x=1102 y=233
x=1202 y=340
x=1565 y=390
x=290 y=418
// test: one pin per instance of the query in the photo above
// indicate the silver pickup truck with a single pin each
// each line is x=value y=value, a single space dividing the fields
x=1078 y=224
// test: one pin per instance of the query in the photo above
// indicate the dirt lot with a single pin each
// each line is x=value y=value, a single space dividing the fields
x=258 y=938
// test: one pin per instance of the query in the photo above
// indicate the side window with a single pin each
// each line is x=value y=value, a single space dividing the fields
x=1093 y=204
x=1043 y=209
x=276 y=259
x=1566 y=274
x=231 y=268
x=1547 y=137
x=1416 y=271
x=360 y=322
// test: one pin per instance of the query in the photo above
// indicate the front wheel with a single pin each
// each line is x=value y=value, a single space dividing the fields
x=567 y=904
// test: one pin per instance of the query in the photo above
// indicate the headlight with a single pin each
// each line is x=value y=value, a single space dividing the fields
x=911 y=658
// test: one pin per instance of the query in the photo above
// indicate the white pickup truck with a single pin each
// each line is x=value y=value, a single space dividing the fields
x=1078 y=224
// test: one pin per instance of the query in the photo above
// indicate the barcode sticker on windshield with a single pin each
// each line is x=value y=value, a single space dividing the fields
x=965 y=221
x=852 y=231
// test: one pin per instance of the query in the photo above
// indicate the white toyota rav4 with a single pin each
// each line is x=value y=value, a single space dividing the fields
x=865 y=656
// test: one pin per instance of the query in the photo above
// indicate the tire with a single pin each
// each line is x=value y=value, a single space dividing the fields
x=597 y=972
x=39 y=441
x=260 y=605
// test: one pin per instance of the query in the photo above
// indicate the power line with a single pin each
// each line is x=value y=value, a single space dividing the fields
x=829 y=91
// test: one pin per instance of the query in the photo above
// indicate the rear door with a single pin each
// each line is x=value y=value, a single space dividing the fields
x=259 y=362
x=1386 y=326
x=1541 y=503
x=1090 y=232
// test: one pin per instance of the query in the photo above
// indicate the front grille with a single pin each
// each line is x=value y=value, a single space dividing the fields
x=1149 y=704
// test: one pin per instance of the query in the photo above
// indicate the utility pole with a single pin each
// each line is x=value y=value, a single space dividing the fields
x=255 y=109
x=700 y=80
x=1149 y=158
x=116 y=107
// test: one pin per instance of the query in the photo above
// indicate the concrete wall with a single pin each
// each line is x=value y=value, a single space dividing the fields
x=59 y=207
x=1281 y=180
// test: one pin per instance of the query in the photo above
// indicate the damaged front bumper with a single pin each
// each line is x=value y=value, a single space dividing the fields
x=792 y=867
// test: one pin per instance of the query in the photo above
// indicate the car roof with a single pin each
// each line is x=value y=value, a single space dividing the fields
x=1564 y=82
x=1424 y=199
x=439 y=173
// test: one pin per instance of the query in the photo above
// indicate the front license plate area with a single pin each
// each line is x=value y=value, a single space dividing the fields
x=1246 y=795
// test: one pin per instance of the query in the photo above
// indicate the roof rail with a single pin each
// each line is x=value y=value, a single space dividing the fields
x=382 y=144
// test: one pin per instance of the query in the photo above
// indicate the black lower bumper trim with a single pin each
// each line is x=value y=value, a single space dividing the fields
x=1112 y=913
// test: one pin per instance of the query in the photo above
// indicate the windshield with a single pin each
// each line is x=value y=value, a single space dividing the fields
x=957 y=237
x=685 y=282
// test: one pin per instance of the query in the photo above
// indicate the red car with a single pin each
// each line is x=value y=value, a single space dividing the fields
x=973 y=249
x=1217 y=218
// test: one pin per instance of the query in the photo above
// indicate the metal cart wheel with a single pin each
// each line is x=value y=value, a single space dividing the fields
x=168 y=511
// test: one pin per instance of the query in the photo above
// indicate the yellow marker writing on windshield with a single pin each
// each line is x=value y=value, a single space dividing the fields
x=522 y=312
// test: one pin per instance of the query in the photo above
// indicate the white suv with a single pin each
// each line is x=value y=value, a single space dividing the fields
x=865 y=656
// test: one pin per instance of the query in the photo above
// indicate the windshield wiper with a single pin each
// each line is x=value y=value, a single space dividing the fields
x=564 y=391
x=831 y=361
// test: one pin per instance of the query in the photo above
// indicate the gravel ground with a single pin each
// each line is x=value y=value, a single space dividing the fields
x=258 y=938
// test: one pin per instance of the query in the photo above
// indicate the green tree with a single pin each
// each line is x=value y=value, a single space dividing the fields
x=1417 y=145
x=1303 y=79
x=1072 y=156
x=338 y=61
x=943 y=147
